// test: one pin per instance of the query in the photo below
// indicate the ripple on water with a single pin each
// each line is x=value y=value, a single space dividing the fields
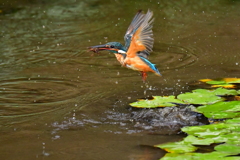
x=176 y=57
x=23 y=96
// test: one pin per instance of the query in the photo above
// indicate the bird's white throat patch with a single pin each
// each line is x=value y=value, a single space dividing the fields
x=121 y=51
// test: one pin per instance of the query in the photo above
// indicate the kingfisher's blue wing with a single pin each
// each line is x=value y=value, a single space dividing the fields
x=139 y=36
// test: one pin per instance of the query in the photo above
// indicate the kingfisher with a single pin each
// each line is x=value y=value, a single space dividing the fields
x=138 y=45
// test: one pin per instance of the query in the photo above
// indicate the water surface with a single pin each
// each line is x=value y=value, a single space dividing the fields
x=58 y=101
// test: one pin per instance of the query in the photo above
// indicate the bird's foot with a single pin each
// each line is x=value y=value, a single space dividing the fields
x=144 y=76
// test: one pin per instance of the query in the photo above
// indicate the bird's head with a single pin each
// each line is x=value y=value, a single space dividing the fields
x=114 y=47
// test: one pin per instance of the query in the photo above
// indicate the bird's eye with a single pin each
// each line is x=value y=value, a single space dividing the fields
x=111 y=46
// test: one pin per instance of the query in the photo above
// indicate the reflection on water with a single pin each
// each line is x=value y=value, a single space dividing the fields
x=58 y=100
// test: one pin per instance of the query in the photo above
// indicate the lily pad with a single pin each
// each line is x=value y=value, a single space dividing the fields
x=234 y=120
x=198 y=156
x=220 y=115
x=225 y=82
x=200 y=96
x=227 y=85
x=207 y=131
x=228 y=148
x=230 y=138
x=198 y=141
x=177 y=147
x=226 y=132
x=225 y=92
x=232 y=80
x=221 y=110
x=216 y=82
x=158 y=101
x=211 y=134
x=220 y=132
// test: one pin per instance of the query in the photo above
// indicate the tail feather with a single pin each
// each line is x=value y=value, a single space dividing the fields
x=156 y=70
x=152 y=66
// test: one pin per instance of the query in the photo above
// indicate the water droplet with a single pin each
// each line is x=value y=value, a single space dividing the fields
x=145 y=92
x=46 y=154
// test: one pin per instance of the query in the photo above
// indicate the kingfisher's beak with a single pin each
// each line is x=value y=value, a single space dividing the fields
x=98 y=48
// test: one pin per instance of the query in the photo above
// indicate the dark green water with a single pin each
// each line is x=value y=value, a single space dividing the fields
x=58 y=101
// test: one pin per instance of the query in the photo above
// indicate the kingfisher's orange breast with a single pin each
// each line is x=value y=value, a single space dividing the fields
x=119 y=58
x=137 y=64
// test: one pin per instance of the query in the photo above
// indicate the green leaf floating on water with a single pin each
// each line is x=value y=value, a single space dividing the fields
x=220 y=132
x=221 y=110
x=158 y=101
x=177 y=147
x=198 y=141
x=228 y=148
x=232 y=80
x=204 y=128
x=198 y=156
x=230 y=138
x=225 y=82
x=238 y=91
x=224 y=92
x=235 y=81
x=233 y=120
x=216 y=82
x=200 y=96
x=226 y=133
x=207 y=131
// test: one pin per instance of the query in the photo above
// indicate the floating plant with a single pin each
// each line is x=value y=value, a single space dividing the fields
x=227 y=132
x=225 y=82
x=223 y=136
x=200 y=96
x=221 y=110
x=157 y=101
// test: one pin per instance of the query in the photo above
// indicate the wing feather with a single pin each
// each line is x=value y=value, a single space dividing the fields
x=142 y=38
x=135 y=24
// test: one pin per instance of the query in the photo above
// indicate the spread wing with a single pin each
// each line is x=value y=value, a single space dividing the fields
x=139 y=36
x=135 y=24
